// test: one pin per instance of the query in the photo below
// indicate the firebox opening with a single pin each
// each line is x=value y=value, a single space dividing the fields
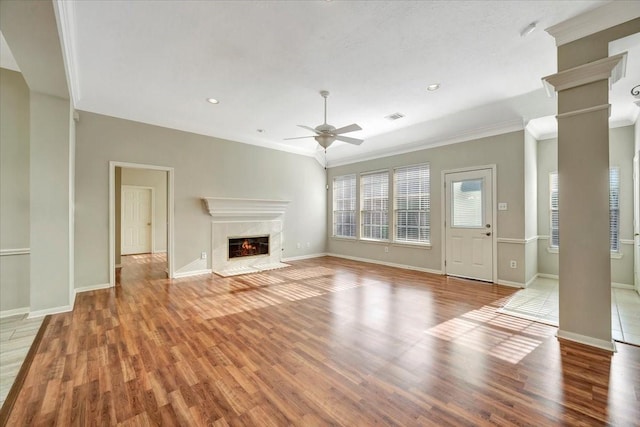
x=248 y=246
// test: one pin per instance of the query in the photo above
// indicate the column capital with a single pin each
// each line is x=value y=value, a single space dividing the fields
x=612 y=68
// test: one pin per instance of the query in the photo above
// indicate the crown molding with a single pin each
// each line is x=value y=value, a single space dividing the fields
x=470 y=135
x=612 y=67
x=66 y=21
x=593 y=21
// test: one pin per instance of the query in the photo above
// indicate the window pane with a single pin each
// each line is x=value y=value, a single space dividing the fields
x=412 y=203
x=374 y=195
x=344 y=205
x=466 y=209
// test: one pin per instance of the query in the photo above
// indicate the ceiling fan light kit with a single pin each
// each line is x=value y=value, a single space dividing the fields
x=325 y=133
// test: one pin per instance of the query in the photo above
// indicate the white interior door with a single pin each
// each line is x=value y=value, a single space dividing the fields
x=136 y=220
x=636 y=222
x=469 y=224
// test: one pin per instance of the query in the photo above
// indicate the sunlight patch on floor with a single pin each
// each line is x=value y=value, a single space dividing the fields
x=493 y=334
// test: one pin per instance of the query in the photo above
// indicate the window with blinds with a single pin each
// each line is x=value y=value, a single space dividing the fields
x=614 y=209
x=344 y=206
x=374 y=206
x=412 y=204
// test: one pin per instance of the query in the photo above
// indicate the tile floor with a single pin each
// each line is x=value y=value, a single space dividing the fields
x=539 y=302
x=16 y=335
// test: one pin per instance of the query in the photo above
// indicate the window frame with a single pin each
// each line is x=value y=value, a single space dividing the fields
x=352 y=201
x=383 y=212
x=421 y=195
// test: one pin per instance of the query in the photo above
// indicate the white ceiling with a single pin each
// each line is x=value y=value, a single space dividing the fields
x=157 y=61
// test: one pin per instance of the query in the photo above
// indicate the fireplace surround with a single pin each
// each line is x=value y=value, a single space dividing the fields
x=245 y=219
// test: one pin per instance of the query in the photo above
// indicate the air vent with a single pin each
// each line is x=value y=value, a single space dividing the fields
x=394 y=116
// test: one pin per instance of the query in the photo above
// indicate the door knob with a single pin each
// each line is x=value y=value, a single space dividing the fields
x=488 y=225
x=488 y=234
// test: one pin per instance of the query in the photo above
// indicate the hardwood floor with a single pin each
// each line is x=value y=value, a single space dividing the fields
x=324 y=342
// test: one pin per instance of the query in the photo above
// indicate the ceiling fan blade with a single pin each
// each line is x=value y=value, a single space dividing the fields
x=351 y=128
x=310 y=128
x=300 y=137
x=354 y=141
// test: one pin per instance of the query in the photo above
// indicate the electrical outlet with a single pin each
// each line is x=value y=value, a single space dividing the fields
x=513 y=264
x=299 y=245
x=203 y=255
x=386 y=249
x=308 y=244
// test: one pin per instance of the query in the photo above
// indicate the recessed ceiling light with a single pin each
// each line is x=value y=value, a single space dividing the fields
x=433 y=87
x=213 y=101
x=394 y=116
x=528 y=29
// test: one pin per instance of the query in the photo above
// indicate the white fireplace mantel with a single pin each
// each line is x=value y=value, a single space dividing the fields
x=244 y=209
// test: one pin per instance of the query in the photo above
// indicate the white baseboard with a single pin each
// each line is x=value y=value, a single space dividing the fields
x=14 y=312
x=511 y=284
x=622 y=286
x=301 y=257
x=118 y=265
x=92 y=288
x=191 y=273
x=583 y=339
x=388 y=264
x=613 y=284
x=530 y=281
x=53 y=310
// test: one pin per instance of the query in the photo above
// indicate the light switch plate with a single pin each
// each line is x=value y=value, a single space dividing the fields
x=502 y=206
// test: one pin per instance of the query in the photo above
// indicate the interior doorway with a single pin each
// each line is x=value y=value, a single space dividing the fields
x=469 y=223
x=141 y=206
x=137 y=220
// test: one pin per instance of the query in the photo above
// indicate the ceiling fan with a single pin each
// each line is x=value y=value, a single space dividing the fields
x=325 y=134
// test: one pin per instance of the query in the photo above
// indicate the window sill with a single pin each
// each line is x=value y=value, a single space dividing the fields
x=348 y=239
x=412 y=245
x=385 y=242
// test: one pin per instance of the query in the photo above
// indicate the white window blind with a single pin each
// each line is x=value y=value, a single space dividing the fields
x=614 y=209
x=553 y=205
x=374 y=211
x=344 y=206
x=412 y=204
x=467 y=207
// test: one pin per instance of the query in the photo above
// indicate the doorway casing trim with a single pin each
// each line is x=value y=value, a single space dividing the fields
x=112 y=214
x=494 y=213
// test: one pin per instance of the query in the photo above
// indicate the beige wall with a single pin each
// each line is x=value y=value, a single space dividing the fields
x=531 y=206
x=158 y=181
x=14 y=190
x=50 y=213
x=505 y=151
x=621 y=146
x=204 y=167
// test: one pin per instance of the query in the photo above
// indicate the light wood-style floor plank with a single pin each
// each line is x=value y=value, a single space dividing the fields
x=324 y=342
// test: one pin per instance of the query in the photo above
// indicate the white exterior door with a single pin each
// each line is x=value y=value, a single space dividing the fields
x=469 y=224
x=136 y=220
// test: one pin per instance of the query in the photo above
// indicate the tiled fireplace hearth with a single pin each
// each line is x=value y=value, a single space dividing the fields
x=248 y=218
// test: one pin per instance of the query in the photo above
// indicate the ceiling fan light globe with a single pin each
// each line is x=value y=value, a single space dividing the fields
x=325 y=140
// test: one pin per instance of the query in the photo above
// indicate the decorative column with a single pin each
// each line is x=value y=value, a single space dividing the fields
x=583 y=173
